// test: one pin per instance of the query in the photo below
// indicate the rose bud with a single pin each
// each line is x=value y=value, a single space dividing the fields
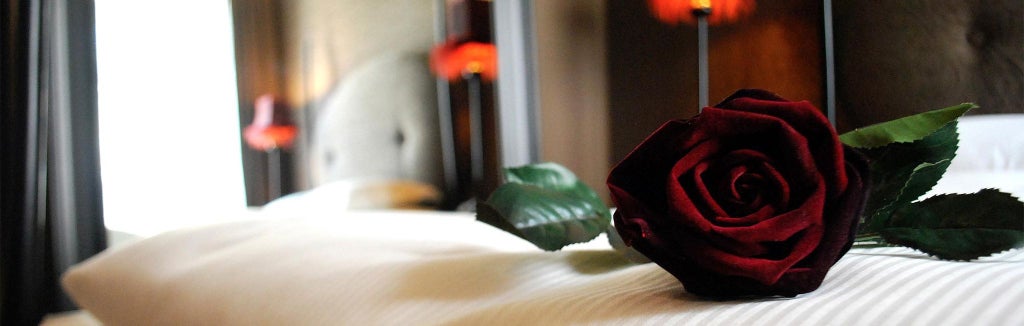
x=754 y=196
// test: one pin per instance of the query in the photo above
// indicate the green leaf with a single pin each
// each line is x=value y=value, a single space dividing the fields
x=959 y=226
x=904 y=130
x=902 y=172
x=546 y=205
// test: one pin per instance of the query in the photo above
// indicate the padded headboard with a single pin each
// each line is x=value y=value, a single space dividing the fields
x=895 y=58
x=380 y=122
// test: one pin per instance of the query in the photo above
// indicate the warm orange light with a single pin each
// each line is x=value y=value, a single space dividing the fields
x=270 y=126
x=722 y=11
x=451 y=60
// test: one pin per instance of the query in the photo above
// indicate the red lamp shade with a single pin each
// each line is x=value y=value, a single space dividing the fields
x=722 y=11
x=270 y=128
x=452 y=59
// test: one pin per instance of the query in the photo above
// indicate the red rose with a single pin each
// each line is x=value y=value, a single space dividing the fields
x=755 y=196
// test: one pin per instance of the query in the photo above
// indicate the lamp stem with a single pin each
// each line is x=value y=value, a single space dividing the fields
x=273 y=173
x=702 y=61
x=476 y=134
x=830 y=63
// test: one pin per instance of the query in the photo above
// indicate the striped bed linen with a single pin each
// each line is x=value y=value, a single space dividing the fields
x=426 y=268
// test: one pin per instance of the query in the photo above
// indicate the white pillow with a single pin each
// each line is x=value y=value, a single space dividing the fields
x=301 y=271
x=993 y=142
x=353 y=194
x=990 y=155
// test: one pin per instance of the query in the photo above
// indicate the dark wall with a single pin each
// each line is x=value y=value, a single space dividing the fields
x=652 y=66
x=895 y=58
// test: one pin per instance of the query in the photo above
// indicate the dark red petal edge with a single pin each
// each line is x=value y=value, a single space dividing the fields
x=842 y=215
x=808 y=120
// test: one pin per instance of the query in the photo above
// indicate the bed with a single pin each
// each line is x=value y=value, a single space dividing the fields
x=327 y=265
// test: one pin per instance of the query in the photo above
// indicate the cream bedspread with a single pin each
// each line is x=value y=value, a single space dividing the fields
x=409 y=268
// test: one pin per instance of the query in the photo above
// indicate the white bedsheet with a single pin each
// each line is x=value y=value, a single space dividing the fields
x=408 y=268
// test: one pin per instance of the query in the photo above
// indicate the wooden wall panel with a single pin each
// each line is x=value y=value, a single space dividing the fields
x=653 y=66
x=573 y=90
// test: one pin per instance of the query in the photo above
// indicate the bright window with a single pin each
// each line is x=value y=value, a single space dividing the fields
x=168 y=114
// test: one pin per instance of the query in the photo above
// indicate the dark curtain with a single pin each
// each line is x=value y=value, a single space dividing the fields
x=50 y=196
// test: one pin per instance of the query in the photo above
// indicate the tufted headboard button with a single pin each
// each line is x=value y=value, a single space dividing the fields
x=399 y=138
x=977 y=37
x=381 y=122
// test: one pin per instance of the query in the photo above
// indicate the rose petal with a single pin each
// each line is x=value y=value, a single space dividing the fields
x=764 y=213
x=720 y=217
x=748 y=186
x=743 y=184
x=840 y=226
x=630 y=223
x=735 y=125
x=642 y=172
x=805 y=118
x=738 y=250
x=766 y=270
x=782 y=226
x=736 y=206
x=780 y=183
x=773 y=137
x=682 y=205
x=702 y=191
x=779 y=202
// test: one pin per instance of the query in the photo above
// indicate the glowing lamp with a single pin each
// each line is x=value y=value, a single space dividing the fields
x=271 y=128
x=687 y=11
x=453 y=60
